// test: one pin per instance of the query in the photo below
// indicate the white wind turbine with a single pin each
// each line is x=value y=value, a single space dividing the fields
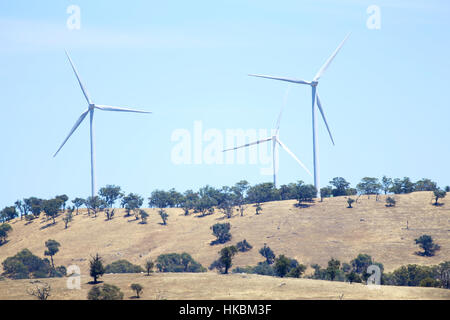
x=91 y=107
x=275 y=139
x=315 y=97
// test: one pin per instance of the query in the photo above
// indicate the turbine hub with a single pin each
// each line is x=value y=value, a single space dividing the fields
x=314 y=83
x=91 y=106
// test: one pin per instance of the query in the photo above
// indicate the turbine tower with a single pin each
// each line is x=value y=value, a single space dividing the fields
x=315 y=98
x=91 y=107
x=275 y=140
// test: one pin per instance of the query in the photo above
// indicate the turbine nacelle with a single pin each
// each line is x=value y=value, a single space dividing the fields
x=314 y=83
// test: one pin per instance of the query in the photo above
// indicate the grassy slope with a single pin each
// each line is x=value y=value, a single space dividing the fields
x=311 y=235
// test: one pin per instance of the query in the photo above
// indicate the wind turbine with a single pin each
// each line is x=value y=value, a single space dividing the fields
x=315 y=97
x=275 y=139
x=91 y=107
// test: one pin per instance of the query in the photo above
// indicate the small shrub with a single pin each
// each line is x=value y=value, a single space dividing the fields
x=137 y=288
x=105 y=292
x=390 y=202
x=350 y=201
x=243 y=246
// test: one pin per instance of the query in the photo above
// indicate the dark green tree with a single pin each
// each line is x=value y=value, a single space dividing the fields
x=350 y=201
x=222 y=232
x=333 y=268
x=110 y=194
x=369 y=186
x=340 y=186
x=226 y=257
x=267 y=253
x=51 y=208
x=52 y=249
x=282 y=265
x=4 y=230
x=136 y=287
x=149 y=264
x=427 y=244
x=439 y=194
x=105 y=292
x=96 y=268
x=386 y=184
x=243 y=246
x=78 y=202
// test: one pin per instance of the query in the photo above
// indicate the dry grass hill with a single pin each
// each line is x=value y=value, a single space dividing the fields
x=310 y=235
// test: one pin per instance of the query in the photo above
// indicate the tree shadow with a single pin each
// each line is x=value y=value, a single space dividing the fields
x=3 y=242
x=95 y=282
x=438 y=204
x=48 y=225
x=303 y=205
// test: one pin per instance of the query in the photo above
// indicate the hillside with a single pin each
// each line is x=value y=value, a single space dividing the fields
x=310 y=235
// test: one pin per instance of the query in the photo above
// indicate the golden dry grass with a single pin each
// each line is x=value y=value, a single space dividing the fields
x=310 y=235
x=210 y=286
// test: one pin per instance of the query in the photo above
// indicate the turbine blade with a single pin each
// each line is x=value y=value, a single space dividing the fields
x=277 y=127
x=293 y=156
x=86 y=95
x=249 y=144
x=110 y=108
x=281 y=79
x=80 y=119
x=319 y=104
x=327 y=63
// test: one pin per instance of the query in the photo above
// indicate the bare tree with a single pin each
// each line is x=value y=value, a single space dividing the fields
x=42 y=292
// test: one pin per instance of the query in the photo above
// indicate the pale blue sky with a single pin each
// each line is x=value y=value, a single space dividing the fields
x=385 y=94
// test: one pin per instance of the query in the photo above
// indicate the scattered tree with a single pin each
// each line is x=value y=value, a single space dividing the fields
x=368 y=186
x=267 y=253
x=96 y=268
x=144 y=215
x=427 y=244
x=386 y=184
x=52 y=249
x=333 y=268
x=390 y=202
x=325 y=192
x=51 y=208
x=350 y=201
x=4 y=230
x=164 y=216
x=149 y=264
x=225 y=260
x=78 y=202
x=67 y=218
x=110 y=194
x=439 y=194
x=258 y=207
x=243 y=246
x=222 y=232
x=136 y=287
